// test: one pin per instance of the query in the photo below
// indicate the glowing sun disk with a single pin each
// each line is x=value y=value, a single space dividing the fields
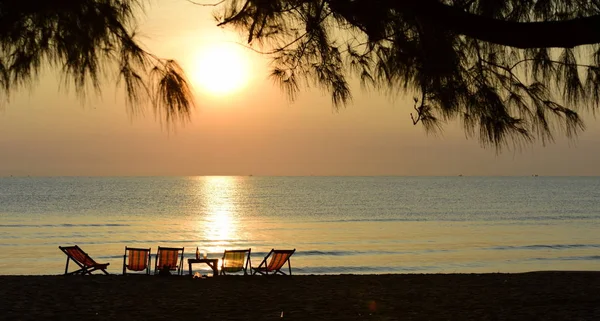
x=221 y=69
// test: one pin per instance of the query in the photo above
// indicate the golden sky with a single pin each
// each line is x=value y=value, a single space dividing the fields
x=254 y=130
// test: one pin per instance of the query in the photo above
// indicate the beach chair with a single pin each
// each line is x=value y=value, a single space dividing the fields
x=139 y=260
x=274 y=261
x=83 y=260
x=170 y=259
x=236 y=261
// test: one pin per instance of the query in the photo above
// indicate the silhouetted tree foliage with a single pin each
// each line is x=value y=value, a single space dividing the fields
x=87 y=40
x=512 y=71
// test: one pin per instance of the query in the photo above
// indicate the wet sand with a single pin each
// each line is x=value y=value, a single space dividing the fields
x=523 y=296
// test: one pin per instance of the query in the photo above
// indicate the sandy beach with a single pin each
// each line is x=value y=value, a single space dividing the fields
x=523 y=296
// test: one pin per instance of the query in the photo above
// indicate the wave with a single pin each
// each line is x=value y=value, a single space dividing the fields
x=346 y=253
x=468 y=218
x=545 y=246
x=555 y=218
x=374 y=220
x=63 y=225
x=361 y=269
x=567 y=258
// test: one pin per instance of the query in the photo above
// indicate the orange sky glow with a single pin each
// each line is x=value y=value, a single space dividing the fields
x=250 y=129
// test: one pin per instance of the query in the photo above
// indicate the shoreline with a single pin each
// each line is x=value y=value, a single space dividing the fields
x=536 y=295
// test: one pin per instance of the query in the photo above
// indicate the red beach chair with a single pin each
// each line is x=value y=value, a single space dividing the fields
x=170 y=258
x=274 y=265
x=139 y=260
x=86 y=263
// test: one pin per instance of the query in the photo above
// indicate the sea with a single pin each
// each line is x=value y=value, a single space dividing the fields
x=338 y=225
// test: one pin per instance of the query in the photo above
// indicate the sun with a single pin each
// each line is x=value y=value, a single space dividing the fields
x=221 y=69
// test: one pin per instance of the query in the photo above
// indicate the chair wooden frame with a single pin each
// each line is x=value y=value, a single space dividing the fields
x=273 y=266
x=137 y=262
x=245 y=265
x=86 y=264
x=178 y=266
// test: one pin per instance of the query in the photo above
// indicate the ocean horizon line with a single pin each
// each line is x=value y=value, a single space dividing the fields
x=289 y=175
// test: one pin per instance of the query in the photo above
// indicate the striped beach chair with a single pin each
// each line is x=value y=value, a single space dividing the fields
x=274 y=261
x=236 y=261
x=170 y=259
x=86 y=264
x=136 y=259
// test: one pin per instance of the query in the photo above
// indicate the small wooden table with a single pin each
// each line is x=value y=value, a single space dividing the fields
x=212 y=263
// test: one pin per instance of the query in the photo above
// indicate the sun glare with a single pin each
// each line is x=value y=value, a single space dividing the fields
x=221 y=69
x=220 y=223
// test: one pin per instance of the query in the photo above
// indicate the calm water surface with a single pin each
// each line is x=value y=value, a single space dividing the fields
x=337 y=224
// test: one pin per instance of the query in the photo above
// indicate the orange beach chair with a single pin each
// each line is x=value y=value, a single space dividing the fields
x=170 y=258
x=139 y=260
x=83 y=260
x=276 y=262
x=236 y=261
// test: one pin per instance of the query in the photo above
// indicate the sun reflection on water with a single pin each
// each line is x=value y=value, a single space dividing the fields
x=219 y=225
